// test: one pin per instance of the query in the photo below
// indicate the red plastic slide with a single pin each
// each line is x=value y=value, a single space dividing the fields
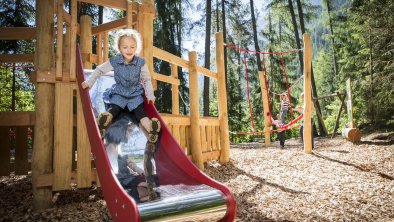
x=178 y=168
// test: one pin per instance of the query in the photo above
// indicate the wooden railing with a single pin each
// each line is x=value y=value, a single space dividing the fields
x=15 y=154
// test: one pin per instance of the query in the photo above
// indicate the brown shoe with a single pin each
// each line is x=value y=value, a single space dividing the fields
x=155 y=126
x=104 y=120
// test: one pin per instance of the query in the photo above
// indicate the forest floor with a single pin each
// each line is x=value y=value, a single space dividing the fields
x=340 y=181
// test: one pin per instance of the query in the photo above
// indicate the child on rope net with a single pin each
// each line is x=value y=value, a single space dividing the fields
x=132 y=83
x=281 y=132
x=284 y=107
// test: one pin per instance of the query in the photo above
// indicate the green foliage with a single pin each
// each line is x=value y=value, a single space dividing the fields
x=366 y=57
x=16 y=91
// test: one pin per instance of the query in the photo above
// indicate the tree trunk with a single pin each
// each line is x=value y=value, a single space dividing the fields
x=332 y=39
x=256 y=43
x=225 y=41
x=100 y=14
x=207 y=63
x=239 y=64
x=371 y=104
x=296 y=34
x=217 y=16
x=322 y=128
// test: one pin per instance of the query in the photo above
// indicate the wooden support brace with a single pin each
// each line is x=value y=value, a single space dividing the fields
x=48 y=76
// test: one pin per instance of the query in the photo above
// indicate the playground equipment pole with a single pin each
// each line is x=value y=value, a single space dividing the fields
x=307 y=94
x=222 y=94
x=267 y=124
x=194 y=112
x=44 y=102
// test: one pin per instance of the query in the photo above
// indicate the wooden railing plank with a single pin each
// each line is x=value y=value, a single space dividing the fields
x=17 y=118
x=21 y=157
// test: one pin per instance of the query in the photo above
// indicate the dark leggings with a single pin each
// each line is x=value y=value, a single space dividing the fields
x=138 y=112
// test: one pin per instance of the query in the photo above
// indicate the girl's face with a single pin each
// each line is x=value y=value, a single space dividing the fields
x=127 y=47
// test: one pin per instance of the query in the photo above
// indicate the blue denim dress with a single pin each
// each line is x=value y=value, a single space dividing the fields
x=127 y=90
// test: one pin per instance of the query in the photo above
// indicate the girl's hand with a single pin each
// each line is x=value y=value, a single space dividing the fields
x=84 y=85
x=152 y=101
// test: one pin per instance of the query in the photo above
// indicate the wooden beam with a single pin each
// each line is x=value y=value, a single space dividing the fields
x=109 y=26
x=207 y=72
x=266 y=113
x=329 y=96
x=67 y=20
x=46 y=180
x=17 y=33
x=86 y=38
x=307 y=94
x=194 y=112
x=175 y=90
x=209 y=121
x=59 y=40
x=44 y=101
x=14 y=58
x=168 y=57
x=18 y=118
x=108 y=3
x=171 y=119
x=222 y=106
x=166 y=79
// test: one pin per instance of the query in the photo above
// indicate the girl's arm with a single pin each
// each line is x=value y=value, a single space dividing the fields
x=147 y=84
x=99 y=71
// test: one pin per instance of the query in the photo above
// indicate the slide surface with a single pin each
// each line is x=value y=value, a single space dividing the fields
x=201 y=197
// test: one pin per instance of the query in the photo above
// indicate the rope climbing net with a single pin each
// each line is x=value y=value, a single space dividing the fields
x=267 y=88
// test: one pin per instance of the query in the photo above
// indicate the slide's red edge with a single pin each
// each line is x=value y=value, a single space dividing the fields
x=121 y=206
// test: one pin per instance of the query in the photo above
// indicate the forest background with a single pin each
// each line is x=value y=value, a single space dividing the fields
x=350 y=39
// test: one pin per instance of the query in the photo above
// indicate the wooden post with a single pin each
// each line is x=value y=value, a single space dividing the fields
x=175 y=90
x=342 y=98
x=84 y=166
x=73 y=39
x=222 y=95
x=129 y=17
x=267 y=122
x=66 y=52
x=350 y=132
x=44 y=102
x=105 y=47
x=147 y=37
x=307 y=94
x=59 y=41
x=194 y=112
x=5 y=151
x=99 y=48
x=349 y=103
x=86 y=39
x=63 y=136
x=21 y=158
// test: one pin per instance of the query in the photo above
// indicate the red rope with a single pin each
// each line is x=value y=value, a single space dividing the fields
x=248 y=90
x=272 y=53
x=268 y=114
x=282 y=128
x=287 y=85
x=287 y=126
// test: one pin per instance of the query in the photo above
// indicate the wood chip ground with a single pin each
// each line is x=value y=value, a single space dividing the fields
x=340 y=181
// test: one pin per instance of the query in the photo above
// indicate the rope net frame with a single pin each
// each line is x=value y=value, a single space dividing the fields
x=288 y=88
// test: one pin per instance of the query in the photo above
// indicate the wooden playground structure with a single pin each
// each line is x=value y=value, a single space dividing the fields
x=61 y=155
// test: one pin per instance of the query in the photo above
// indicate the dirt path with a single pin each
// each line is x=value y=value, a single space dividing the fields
x=340 y=181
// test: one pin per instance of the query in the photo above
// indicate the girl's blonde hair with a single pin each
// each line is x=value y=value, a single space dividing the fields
x=128 y=33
